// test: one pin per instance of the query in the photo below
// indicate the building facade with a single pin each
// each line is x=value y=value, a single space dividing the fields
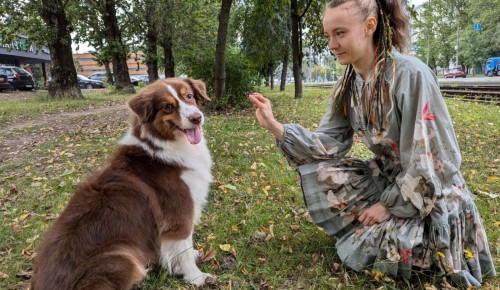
x=86 y=64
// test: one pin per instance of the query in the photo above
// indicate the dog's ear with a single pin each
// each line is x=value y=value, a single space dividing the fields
x=199 y=88
x=142 y=106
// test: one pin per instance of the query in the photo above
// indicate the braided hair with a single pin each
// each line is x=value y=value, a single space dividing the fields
x=391 y=31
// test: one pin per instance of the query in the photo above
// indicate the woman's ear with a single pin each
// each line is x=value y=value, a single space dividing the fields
x=370 y=25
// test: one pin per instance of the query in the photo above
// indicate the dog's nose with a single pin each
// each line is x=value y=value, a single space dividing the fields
x=195 y=118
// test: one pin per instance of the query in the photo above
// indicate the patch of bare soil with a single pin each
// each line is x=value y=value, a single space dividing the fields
x=17 y=95
x=19 y=139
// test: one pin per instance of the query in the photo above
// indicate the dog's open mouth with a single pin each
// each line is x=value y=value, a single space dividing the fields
x=193 y=135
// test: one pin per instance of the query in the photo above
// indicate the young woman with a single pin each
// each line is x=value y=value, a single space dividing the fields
x=408 y=207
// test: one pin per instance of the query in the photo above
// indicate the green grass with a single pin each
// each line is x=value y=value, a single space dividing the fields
x=255 y=204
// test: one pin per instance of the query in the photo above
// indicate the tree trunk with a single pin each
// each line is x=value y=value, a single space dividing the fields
x=168 y=54
x=296 y=53
x=220 y=50
x=117 y=48
x=271 y=76
x=64 y=81
x=284 y=71
x=151 y=42
x=109 y=73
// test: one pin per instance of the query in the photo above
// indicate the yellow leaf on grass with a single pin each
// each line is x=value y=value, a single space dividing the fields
x=235 y=228
x=497 y=224
x=492 y=179
x=23 y=216
x=225 y=247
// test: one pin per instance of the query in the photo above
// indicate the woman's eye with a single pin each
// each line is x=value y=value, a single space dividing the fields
x=340 y=33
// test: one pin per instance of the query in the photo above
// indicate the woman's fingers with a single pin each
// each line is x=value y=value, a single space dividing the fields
x=258 y=99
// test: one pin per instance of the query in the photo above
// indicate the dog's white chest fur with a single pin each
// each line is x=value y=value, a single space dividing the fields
x=195 y=158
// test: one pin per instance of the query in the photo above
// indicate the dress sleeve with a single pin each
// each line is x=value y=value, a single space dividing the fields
x=429 y=152
x=333 y=138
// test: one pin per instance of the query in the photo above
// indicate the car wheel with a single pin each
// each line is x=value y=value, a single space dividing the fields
x=490 y=73
x=88 y=86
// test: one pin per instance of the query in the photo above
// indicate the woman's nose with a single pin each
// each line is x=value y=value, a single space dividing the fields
x=332 y=44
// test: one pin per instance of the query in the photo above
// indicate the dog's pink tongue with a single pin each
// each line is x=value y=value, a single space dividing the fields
x=194 y=135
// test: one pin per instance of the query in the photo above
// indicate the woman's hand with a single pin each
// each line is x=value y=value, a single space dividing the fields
x=264 y=114
x=375 y=214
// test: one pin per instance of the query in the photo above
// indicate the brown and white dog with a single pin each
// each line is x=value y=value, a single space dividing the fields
x=142 y=205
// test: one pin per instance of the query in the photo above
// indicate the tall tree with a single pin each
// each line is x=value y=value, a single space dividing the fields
x=64 y=81
x=220 y=50
x=45 y=23
x=265 y=35
x=151 y=40
x=297 y=54
x=118 y=50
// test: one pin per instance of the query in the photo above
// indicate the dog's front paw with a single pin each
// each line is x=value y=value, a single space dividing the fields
x=202 y=279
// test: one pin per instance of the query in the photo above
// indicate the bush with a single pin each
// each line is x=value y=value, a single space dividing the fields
x=240 y=77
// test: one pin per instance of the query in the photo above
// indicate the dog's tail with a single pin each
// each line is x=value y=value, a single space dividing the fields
x=117 y=266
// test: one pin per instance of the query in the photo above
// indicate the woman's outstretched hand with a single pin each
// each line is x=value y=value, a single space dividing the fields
x=375 y=214
x=264 y=114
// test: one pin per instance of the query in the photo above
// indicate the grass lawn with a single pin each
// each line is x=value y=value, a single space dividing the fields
x=255 y=221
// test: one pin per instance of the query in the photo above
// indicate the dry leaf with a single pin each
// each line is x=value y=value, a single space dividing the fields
x=24 y=274
x=225 y=247
x=210 y=255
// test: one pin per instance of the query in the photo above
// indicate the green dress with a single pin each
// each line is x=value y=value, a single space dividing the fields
x=415 y=173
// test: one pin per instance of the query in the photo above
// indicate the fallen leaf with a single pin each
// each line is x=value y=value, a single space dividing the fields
x=23 y=216
x=228 y=261
x=24 y=274
x=210 y=255
x=225 y=247
x=336 y=267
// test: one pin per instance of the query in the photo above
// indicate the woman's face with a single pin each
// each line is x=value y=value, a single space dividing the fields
x=350 y=37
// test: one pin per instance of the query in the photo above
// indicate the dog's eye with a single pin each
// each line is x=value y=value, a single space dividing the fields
x=189 y=96
x=169 y=107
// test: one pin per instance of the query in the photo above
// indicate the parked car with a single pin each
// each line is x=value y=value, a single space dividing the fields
x=19 y=78
x=4 y=83
x=86 y=83
x=145 y=78
x=135 y=81
x=455 y=73
x=101 y=76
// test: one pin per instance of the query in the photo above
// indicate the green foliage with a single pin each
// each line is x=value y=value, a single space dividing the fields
x=240 y=76
x=442 y=24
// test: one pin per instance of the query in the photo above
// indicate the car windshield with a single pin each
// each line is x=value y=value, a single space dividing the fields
x=83 y=77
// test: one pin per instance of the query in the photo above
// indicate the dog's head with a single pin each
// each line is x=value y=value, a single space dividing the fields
x=167 y=110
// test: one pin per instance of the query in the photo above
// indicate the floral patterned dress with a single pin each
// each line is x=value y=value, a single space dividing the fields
x=415 y=173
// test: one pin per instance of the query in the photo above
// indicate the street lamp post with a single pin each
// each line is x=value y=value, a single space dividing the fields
x=456 y=46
